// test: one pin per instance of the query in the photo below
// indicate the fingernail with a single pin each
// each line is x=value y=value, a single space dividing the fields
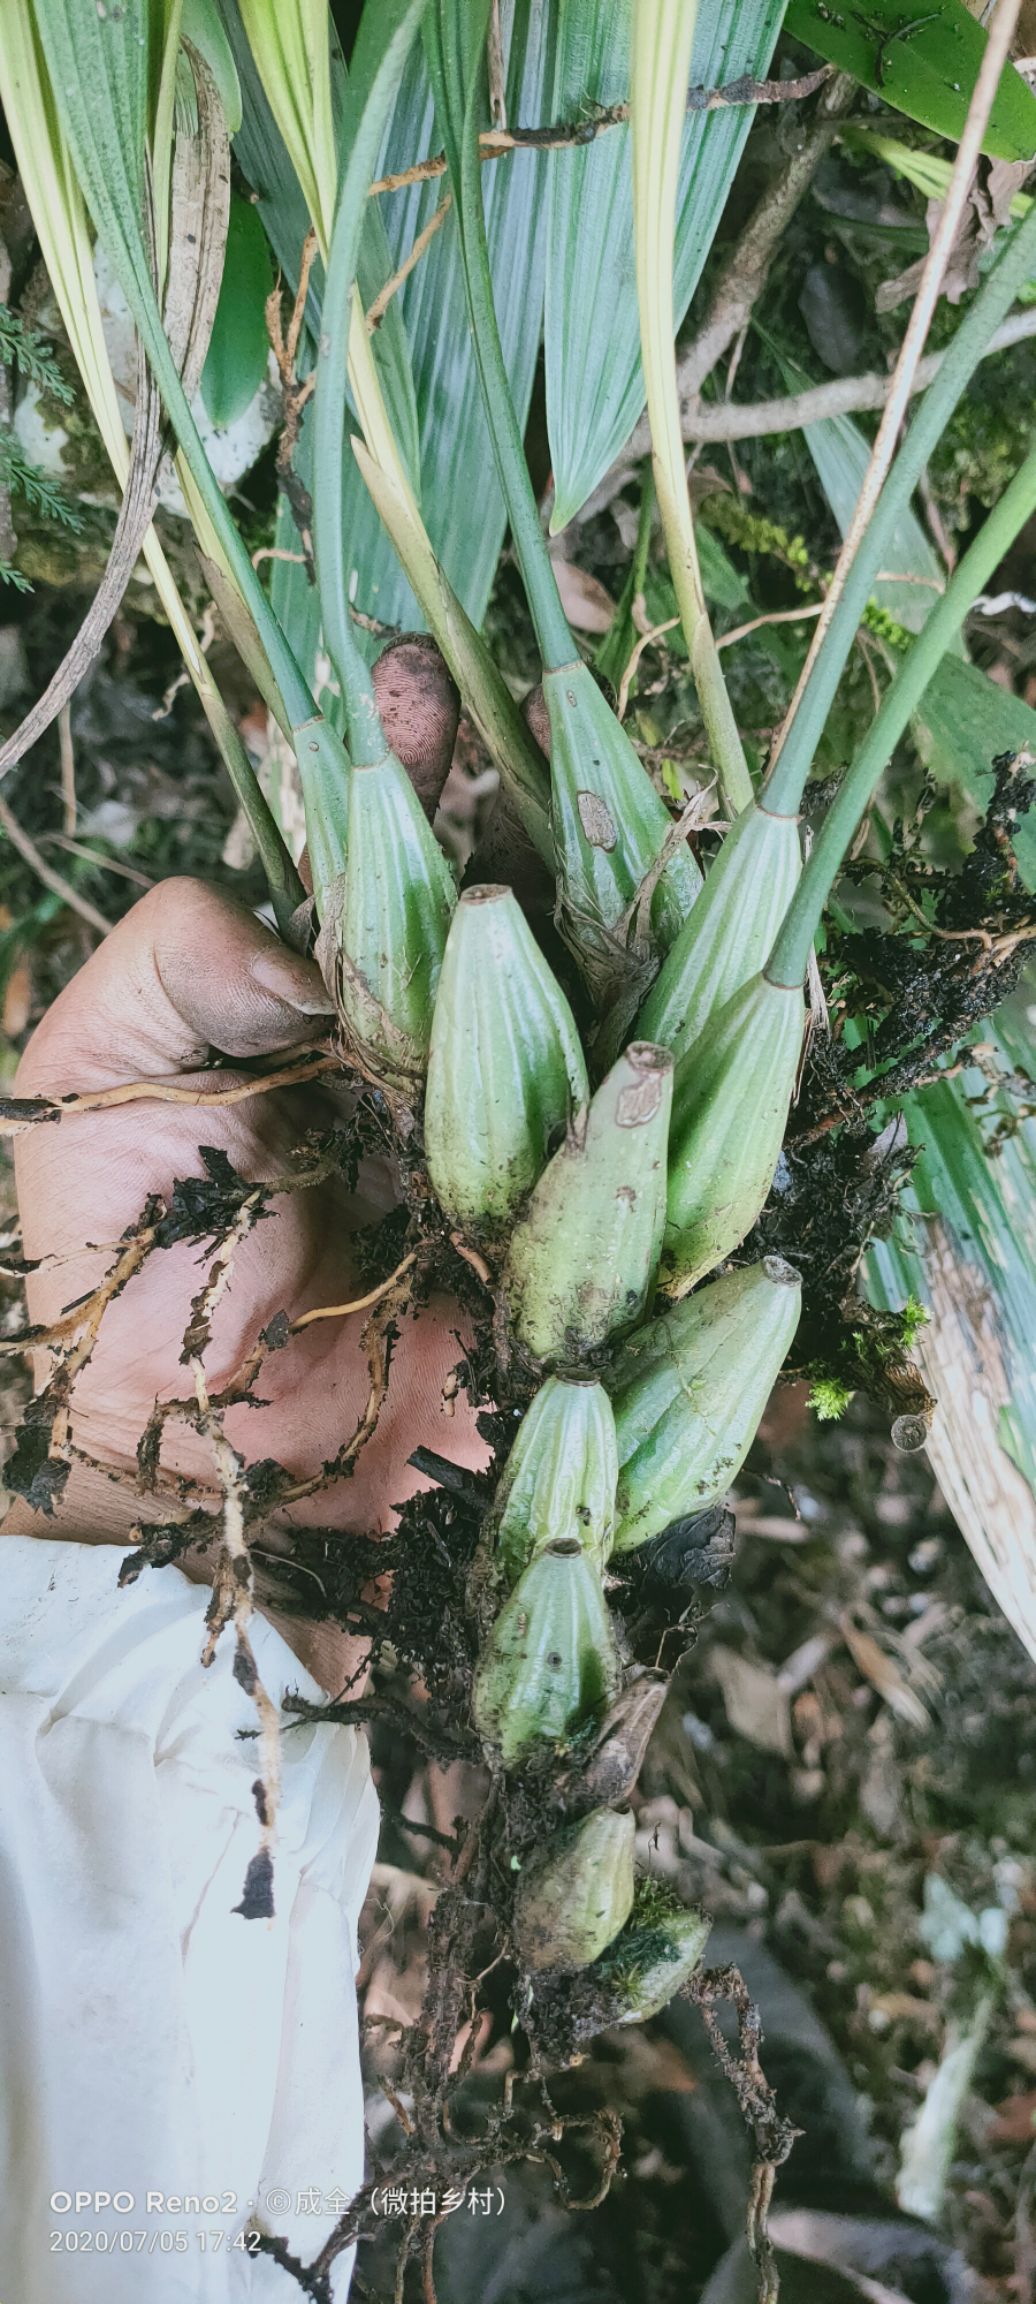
x=295 y=981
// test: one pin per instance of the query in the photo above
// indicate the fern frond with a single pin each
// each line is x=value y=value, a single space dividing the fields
x=26 y=480
x=19 y=342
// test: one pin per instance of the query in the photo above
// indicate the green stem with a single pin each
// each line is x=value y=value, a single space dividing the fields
x=458 y=115
x=286 y=889
x=789 y=959
x=662 y=42
x=383 y=45
x=613 y=654
x=645 y=517
x=786 y=782
x=297 y=697
x=330 y=433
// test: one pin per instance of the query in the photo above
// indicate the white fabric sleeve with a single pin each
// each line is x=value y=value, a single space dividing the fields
x=156 y=2046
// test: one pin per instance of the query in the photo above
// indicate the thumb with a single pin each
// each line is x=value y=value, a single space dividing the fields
x=188 y=970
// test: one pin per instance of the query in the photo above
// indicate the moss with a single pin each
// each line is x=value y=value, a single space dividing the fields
x=829 y=1398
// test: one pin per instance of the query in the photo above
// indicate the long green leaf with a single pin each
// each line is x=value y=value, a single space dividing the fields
x=840 y=451
x=263 y=158
x=924 y=61
x=385 y=37
x=455 y=37
x=239 y=348
x=899 y=703
x=99 y=70
x=465 y=519
x=98 y=62
x=1009 y=516
x=663 y=31
x=595 y=386
x=202 y=27
x=58 y=211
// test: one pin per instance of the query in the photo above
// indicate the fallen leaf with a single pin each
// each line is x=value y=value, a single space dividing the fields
x=884 y=1675
x=757 y=1706
x=587 y=604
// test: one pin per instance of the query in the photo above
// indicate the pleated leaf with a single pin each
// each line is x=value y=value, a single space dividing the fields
x=966 y=1248
x=840 y=451
x=595 y=387
x=99 y=64
x=263 y=158
x=461 y=500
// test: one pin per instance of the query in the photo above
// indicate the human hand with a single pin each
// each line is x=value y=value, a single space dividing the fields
x=190 y=971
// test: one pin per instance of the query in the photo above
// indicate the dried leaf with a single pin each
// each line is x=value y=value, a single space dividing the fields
x=756 y=1704
x=587 y=604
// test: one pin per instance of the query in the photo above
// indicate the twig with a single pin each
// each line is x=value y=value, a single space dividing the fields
x=497 y=142
x=198 y=216
x=233 y=1599
x=69 y=809
x=643 y=640
x=377 y=1344
x=43 y=1453
x=264 y=552
x=902 y=383
x=294 y=395
x=842 y=396
x=8 y=538
x=438 y=1741
x=496 y=69
x=383 y=299
x=775 y=616
x=104 y=863
x=233 y=1588
x=55 y=881
x=471 y=1256
x=773 y=2136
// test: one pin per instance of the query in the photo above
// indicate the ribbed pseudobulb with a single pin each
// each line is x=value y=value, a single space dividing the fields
x=610 y=827
x=689 y=1391
x=387 y=929
x=731 y=1096
x=549 y=1662
x=730 y=933
x=575 y=1894
x=506 y=1068
x=560 y=1477
x=583 y=1259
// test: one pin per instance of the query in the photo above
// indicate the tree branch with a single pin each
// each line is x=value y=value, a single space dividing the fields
x=498 y=142
x=55 y=881
x=842 y=396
